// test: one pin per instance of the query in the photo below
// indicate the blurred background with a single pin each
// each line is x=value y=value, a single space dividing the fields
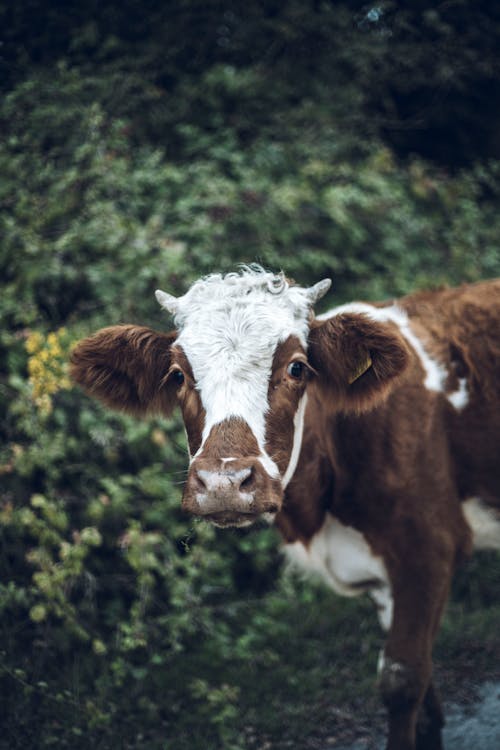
x=143 y=144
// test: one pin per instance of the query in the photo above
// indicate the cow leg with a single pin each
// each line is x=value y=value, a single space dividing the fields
x=401 y=688
x=405 y=678
x=430 y=721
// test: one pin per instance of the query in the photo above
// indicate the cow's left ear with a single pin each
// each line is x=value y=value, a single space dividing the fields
x=125 y=368
x=357 y=358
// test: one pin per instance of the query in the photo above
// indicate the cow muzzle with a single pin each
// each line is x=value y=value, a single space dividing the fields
x=231 y=492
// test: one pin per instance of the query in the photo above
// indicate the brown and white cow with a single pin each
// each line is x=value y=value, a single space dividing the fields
x=369 y=435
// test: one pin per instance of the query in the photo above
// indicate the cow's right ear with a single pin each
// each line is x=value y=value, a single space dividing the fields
x=124 y=367
x=357 y=359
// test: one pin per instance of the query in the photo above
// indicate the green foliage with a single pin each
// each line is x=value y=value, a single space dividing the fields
x=421 y=75
x=124 y=623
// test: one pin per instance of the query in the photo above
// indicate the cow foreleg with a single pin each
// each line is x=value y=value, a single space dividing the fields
x=405 y=677
x=430 y=721
x=401 y=687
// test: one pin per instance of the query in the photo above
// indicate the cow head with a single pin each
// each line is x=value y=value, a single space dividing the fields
x=239 y=364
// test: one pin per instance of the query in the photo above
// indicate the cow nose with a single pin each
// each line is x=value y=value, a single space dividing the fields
x=224 y=488
x=230 y=480
x=230 y=491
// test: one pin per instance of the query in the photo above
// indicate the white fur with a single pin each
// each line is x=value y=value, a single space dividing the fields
x=268 y=464
x=459 y=398
x=298 y=424
x=229 y=328
x=342 y=556
x=484 y=523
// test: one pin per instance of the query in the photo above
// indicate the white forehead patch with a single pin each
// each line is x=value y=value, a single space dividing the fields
x=251 y=295
x=229 y=327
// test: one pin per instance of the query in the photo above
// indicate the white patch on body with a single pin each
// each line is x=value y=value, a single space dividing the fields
x=383 y=599
x=459 y=398
x=342 y=557
x=229 y=328
x=435 y=373
x=298 y=424
x=484 y=523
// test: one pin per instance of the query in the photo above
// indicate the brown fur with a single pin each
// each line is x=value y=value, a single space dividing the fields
x=399 y=471
x=125 y=367
x=192 y=409
x=339 y=345
x=283 y=396
x=233 y=437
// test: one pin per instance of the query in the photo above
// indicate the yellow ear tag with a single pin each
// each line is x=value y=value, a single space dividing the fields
x=364 y=365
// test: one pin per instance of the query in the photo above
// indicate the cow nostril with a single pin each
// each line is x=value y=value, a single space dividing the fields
x=215 y=482
x=199 y=481
x=248 y=481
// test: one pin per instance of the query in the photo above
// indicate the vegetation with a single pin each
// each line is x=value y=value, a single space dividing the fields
x=144 y=145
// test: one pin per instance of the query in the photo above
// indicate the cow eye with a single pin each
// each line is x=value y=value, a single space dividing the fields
x=296 y=370
x=178 y=377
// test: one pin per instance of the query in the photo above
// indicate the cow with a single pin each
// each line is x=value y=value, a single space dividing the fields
x=368 y=435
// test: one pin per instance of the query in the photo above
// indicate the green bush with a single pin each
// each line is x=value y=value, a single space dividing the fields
x=124 y=623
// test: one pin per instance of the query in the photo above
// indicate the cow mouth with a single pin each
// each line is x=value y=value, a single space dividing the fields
x=231 y=518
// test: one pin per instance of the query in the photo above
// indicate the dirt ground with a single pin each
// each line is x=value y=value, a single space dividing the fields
x=472 y=721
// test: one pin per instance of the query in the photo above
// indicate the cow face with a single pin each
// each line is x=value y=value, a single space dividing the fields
x=240 y=368
x=239 y=364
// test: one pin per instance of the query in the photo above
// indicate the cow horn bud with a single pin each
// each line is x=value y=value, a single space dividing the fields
x=167 y=301
x=314 y=293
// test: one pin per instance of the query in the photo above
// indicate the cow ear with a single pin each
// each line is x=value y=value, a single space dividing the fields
x=357 y=359
x=124 y=367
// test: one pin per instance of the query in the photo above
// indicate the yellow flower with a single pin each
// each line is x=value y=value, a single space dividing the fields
x=35 y=367
x=47 y=366
x=33 y=342
x=44 y=405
